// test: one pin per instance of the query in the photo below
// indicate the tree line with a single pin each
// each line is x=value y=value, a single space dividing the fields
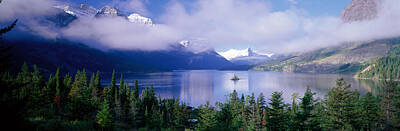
x=383 y=68
x=79 y=102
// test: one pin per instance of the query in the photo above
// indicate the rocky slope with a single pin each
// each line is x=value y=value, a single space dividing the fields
x=359 y=10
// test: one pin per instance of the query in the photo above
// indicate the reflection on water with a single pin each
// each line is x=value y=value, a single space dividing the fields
x=198 y=86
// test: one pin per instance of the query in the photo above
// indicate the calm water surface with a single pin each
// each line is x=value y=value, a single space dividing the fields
x=195 y=87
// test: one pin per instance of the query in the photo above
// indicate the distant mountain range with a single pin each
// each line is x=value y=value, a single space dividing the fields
x=245 y=57
x=71 y=56
x=85 y=10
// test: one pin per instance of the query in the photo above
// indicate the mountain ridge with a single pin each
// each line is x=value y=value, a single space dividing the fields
x=344 y=58
x=245 y=57
x=177 y=57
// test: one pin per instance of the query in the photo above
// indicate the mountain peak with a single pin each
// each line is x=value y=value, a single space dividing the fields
x=359 y=10
x=137 y=18
x=233 y=53
x=245 y=57
x=82 y=10
x=109 y=11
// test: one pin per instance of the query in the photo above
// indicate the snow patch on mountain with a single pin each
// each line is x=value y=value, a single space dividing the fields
x=82 y=10
x=233 y=53
x=85 y=10
x=246 y=56
x=109 y=11
x=136 y=18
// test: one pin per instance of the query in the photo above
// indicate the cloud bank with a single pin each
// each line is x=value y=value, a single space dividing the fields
x=12 y=9
x=118 y=33
x=233 y=22
x=223 y=24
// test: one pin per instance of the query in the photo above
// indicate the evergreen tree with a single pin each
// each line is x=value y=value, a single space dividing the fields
x=59 y=85
x=134 y=110
x=155 y=121
x=97 y=90
x=37 y=84
x=179 y=115
x=261 y=101
x=68 y=81
x=92 y=82
x=305 y=115
x=370 y=112
x=93 y=89
x=319 y=117
x=258 y=117
x=108 y=95
x=24 y=77
x=277 y=116
x=136 y=90
x=59 y=90
x=104 y=117
x=124 y=98
x=47 y=91
x=83 y=85
x=75 y=90
x=114 y=87
x=251 y=123
x=207 y=118
x=235 y=106
x=390 y=104
x=341 y=105
x=224 y=116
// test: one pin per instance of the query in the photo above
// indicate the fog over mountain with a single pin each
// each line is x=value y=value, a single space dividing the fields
x=223 y=23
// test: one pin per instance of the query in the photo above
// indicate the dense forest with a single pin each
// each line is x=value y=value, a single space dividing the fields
x=79 y=102
x=383 y=68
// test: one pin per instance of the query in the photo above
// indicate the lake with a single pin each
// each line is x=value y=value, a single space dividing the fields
x=195 y=87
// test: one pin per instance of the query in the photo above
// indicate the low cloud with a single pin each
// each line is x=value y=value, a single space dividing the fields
x=22 y=9
x=30 y=14
x=231 y=23
x=221 y=23
x=137 y=6
x=118 y=33
x=293 y=1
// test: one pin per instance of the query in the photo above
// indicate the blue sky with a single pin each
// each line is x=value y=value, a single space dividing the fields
x=314 y=8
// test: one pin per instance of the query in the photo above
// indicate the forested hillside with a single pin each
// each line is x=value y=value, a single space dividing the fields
x=383 y=68
x=71 y=56
x=346 y=58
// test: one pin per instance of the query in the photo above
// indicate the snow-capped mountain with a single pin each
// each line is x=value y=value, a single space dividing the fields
x=245 y=57
x=85 y=10
x=82 y=10
x=233 y=53
x=136 y=18
x=109 y=11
